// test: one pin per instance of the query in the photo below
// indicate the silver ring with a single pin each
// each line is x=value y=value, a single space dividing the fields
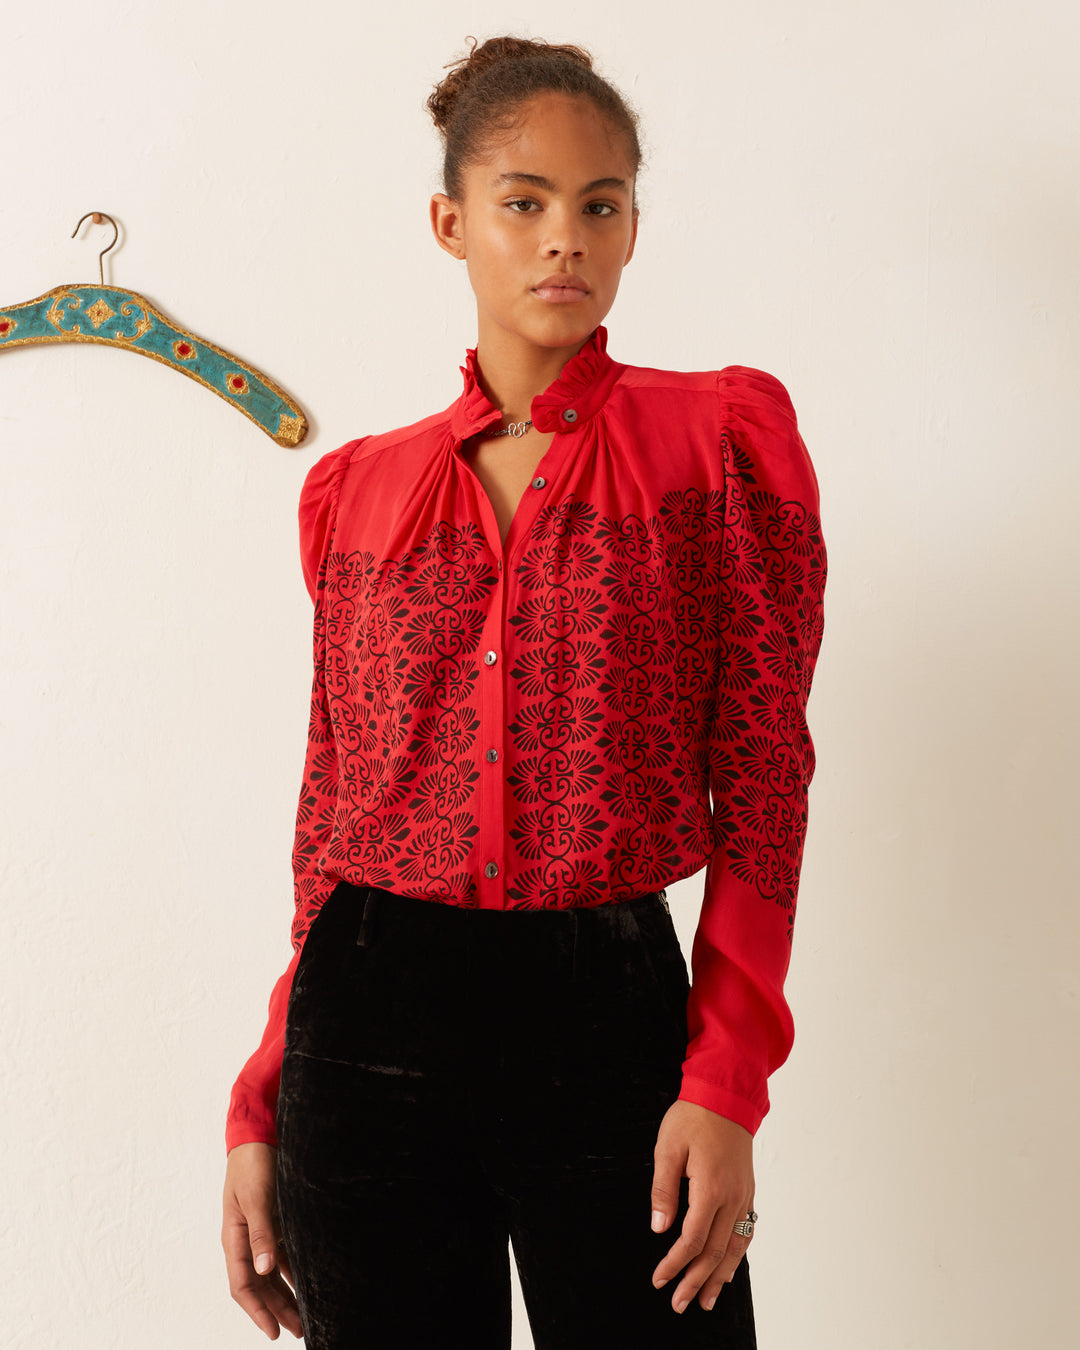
x=745 y=1227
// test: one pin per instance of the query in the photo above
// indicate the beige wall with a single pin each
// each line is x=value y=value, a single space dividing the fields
x=879 y=204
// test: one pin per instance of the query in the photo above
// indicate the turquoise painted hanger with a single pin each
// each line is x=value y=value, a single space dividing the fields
x=60 y=315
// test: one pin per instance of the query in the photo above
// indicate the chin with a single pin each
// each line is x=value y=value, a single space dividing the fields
x=565 y=324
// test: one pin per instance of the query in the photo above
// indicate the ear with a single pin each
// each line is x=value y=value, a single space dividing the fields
x=446 y=225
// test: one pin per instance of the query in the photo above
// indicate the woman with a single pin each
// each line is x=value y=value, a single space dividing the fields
x=550 y=621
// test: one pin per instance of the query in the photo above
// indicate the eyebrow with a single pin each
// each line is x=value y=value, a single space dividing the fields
x=537 y=180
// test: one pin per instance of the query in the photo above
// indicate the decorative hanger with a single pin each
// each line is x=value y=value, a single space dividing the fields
x=142 y=328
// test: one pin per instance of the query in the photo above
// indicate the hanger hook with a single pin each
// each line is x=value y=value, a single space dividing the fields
x=99 y=216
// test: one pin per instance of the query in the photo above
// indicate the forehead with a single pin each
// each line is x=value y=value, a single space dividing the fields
x=565 y=140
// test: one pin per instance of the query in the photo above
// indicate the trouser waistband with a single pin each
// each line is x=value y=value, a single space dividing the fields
x=581 y=922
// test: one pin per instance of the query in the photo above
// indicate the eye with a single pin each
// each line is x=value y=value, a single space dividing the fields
x=609 y=208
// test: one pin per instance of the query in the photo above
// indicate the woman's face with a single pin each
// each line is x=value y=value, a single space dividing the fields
x=514 y=232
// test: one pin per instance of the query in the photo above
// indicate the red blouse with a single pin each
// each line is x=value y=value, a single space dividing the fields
x=542 y=723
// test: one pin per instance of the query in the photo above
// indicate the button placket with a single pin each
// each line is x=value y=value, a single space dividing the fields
x=491 y=842
x=492 y=725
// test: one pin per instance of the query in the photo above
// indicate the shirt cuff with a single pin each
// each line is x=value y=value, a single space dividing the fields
x=723 y=1101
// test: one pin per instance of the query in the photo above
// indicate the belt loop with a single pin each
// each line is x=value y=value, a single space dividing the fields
x=367 y=918
x=581 y=950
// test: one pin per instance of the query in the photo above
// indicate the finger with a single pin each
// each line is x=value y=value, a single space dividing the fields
x=261 y=1236
x=667 y=1178
x=710 y=1254
x=281 y=1302
x=246 y=1287
x=697 y=1225
x=283 y=1264
x=721 y=1254
x=724 y=1272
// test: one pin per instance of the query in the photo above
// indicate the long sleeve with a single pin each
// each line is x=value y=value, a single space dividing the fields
x=761 y=756
x=252 y=1113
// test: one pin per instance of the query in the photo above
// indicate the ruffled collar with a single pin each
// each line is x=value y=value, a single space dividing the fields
x=575 y=395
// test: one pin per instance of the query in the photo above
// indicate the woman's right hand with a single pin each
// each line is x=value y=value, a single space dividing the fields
x=249 y=1235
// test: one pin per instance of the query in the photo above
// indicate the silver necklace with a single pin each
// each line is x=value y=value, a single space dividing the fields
x=514 y=429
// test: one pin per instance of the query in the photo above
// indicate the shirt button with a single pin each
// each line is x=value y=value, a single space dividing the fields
x=491 y=870
x=492 y=755
x=569 y=415
x=499 y=564
x=539 y=482
x=490 y=658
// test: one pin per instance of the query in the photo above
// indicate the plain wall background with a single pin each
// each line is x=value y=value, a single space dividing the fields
x=877 y=203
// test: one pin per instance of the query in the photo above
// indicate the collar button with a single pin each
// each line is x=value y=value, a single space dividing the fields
x=569 y=415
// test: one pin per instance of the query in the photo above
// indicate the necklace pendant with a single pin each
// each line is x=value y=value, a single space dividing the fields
x=518 y=428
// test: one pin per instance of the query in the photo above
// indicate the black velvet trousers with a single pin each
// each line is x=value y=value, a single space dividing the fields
x=459 y=1081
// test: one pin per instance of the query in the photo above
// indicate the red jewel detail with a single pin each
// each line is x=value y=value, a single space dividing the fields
x=5 y=324
x=237 y=383
x=185 y=350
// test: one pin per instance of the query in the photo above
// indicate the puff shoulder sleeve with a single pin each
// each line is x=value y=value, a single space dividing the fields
x=252 y=1109
x=761 y=756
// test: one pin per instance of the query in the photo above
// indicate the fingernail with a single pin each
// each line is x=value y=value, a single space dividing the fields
x=262 y=1262
x=710 y=1301
x=680 y=1306
x=658 y=1217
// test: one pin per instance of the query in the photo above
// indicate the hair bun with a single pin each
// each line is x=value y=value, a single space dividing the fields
x=464 y=71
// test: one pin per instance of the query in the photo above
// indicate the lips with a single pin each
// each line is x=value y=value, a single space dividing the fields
x=561 y=288
x=561 y=280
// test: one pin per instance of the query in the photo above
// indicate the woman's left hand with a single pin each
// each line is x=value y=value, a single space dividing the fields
x=717 y=1155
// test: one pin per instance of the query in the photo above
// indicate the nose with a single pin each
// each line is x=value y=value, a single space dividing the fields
x=566 y=232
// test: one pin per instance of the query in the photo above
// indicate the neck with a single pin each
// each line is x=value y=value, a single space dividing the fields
x=512 y=371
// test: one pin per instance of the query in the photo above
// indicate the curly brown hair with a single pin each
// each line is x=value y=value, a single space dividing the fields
x=482 y=97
